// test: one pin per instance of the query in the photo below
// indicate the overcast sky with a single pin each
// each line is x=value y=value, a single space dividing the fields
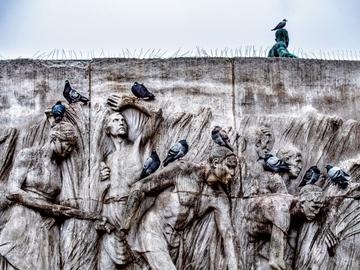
x=29 y=26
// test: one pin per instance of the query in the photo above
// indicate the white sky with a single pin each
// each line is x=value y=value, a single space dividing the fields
x=28 y=26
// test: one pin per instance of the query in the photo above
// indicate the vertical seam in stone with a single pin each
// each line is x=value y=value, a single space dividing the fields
x=90 y=111
x=232 y=62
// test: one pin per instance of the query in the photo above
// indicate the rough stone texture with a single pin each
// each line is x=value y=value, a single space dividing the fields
x=308 y=105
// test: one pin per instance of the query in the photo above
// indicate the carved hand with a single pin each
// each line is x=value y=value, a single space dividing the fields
x=331 y=241
x=117 y=102
x=102 y=224
x=104 y=172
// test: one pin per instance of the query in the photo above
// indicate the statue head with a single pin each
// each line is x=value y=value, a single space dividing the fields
x=257 y=141
x=292 y=156
x=222 y=162
x=311 y=201
x=116 y=125
x=264 y=141
x=282 y=35
x=63 y=138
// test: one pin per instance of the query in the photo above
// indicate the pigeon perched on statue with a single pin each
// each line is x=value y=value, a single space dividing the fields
x=176 y=151
x=220 y=137
x=140 y=91
x=72 y=95
x=311 y=176
x=274 y=164
x=58 y=111
x=151 y=164
x=280 y=25
x=338 y=176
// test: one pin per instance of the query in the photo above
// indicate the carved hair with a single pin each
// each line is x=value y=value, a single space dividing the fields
x=287 y=152
x=220 y=153
x=311 y=193
x=63 y=131
x=254 y=135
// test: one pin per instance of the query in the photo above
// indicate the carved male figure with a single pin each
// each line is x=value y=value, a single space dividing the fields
x=124 y=162
x=29 y=238
x=257 y=143
x=293 y=158
x=189 y=191
x=271 y=215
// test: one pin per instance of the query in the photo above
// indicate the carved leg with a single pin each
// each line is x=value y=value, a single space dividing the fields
x=277 y=247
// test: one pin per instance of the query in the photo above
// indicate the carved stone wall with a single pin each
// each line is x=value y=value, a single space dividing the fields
x=308 y=109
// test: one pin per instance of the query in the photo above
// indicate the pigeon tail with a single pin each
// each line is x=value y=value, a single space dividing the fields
x=143 y=174
x=84 y=100
x=167 y=160
x=151 y=96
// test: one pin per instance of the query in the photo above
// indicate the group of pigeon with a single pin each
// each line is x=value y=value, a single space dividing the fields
x=218 y=135
x=72 y=96
x=312 y=175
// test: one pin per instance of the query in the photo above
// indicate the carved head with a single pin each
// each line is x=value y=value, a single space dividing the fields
x=311 y=201
x=116 y=125
x=223 y=163
x=63 y=138
x=264 y=141
x=292 y=156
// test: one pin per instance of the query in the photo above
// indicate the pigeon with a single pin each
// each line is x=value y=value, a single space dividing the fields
x=220 y=137
x=176 y=151
x=150 y=165
x=280 y=25
x=140 y=91
x=311 y=176
x=72 y=95
x=274 y=164
x=338 y=176
x=58 y=111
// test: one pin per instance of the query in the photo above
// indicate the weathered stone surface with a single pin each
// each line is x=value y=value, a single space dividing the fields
x=190 y=214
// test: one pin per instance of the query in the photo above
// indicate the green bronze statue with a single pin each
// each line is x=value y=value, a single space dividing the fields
x=282 y=42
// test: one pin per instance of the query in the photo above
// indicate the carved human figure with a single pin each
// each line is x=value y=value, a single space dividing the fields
x=29 y=238
x=333 y=243
x=292 y=156
x=271 y=216
x=282 y=42
x=187 y=192
x=257 y=143
x=122 y=167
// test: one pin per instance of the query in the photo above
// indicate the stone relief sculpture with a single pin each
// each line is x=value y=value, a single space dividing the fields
x=189 y=191
x=73 y=193
x=30 y=236
x=122 y=167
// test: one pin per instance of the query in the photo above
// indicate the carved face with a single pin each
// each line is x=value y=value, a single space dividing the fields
x=311 y=204
x=295 y=165
x=116 y=126
x=224 y=170
x=264 y=144
x=62 y=148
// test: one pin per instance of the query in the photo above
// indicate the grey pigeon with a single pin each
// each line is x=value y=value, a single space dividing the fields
x=72 y=95
x=280 y=25
x=58 y=111
x=220 y=137
x=338 y=176
x=274 y=164
x=311 y=176
x=176 y=151
x=151 y=164
x=140 y=91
